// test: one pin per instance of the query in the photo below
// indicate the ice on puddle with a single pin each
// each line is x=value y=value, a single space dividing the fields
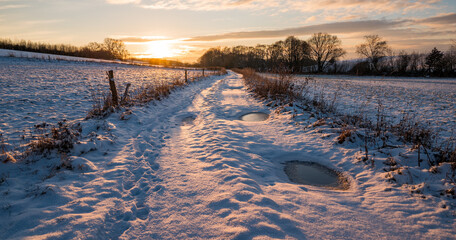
x=311 y=173
x=254 y=117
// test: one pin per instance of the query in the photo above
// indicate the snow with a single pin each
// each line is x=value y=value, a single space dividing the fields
x=45 y=56
x=430 y=100
x=157 y=176
x=34 y=91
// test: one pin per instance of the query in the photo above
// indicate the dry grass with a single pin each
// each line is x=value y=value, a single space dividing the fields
x=346 y=133
x=46 y=139
x=60 y=137
x=285 y=89
x=447 y=152
x=5 y=155
x=103 y=105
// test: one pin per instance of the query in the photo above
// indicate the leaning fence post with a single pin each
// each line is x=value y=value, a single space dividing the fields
x=112 y=85
x=186 y=80
x=124 y=97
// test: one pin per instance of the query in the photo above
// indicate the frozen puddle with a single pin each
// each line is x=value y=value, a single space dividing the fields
x=311 y=173
x=254 y=117
x=188 y=121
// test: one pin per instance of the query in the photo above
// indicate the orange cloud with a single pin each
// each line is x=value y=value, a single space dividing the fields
x=363 y=5
x=334 y=28
x=123 y=1
x=286 y=5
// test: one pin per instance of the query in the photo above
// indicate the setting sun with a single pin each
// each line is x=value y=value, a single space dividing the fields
x=142 y=47
x=160 y=49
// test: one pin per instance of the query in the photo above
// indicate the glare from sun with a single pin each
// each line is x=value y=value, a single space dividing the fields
x=160 y=49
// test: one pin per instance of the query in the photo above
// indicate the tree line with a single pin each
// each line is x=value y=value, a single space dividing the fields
x=291 y=54
x=322 y=52
x=109 y=49
x=381 y=59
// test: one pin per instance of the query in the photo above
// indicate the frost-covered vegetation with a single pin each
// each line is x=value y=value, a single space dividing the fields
x=405 y=124
x=37 y=94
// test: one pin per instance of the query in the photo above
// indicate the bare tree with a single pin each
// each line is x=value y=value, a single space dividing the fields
x=116 y=47
x=402 y=62
x=324 y=48
x=373 y=49
x=94 y=46
x=450 y=58
x=296 y=52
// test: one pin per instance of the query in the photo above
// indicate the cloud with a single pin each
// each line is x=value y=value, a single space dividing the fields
x=118 y=2
x=311 y=19
x=144 y=39
x=441 y=19
x=12 y=6
x=42 y=22
x=361 y=6
x=333 y=28
x=208 y=5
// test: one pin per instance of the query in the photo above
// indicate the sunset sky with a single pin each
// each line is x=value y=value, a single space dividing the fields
x=182 y=29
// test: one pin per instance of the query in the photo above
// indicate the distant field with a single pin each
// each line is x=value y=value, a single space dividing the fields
x=34 y=90
x=429 y=99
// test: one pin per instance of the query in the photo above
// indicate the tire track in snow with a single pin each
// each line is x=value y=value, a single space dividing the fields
x=113 y=197
x=136 y=162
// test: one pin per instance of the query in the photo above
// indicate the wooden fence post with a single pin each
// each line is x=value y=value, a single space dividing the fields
x=112 y=85
x=203 y=72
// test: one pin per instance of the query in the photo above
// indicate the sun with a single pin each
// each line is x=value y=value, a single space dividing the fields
x=160 y=49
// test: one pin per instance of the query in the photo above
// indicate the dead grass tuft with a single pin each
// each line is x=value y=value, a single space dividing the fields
x=60 y=137
x=5 y=155
x=285 y=89
x=347 y=133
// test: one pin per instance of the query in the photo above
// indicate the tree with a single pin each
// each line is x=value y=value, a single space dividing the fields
x=211 y=58
x=296 y=53
x=373 y=49
x=94 y=46
x=434 y=60
x=450 y=58
x=275 y=54
x=402 y=62
x=116 y=47
x=324 y=48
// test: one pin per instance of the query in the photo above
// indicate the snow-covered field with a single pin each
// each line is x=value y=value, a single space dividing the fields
x=34 y=90
x=45 y=56
x=152 y=173
x=430 y=100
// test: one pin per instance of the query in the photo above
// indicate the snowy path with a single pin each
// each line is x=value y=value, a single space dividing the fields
x=223 y=178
